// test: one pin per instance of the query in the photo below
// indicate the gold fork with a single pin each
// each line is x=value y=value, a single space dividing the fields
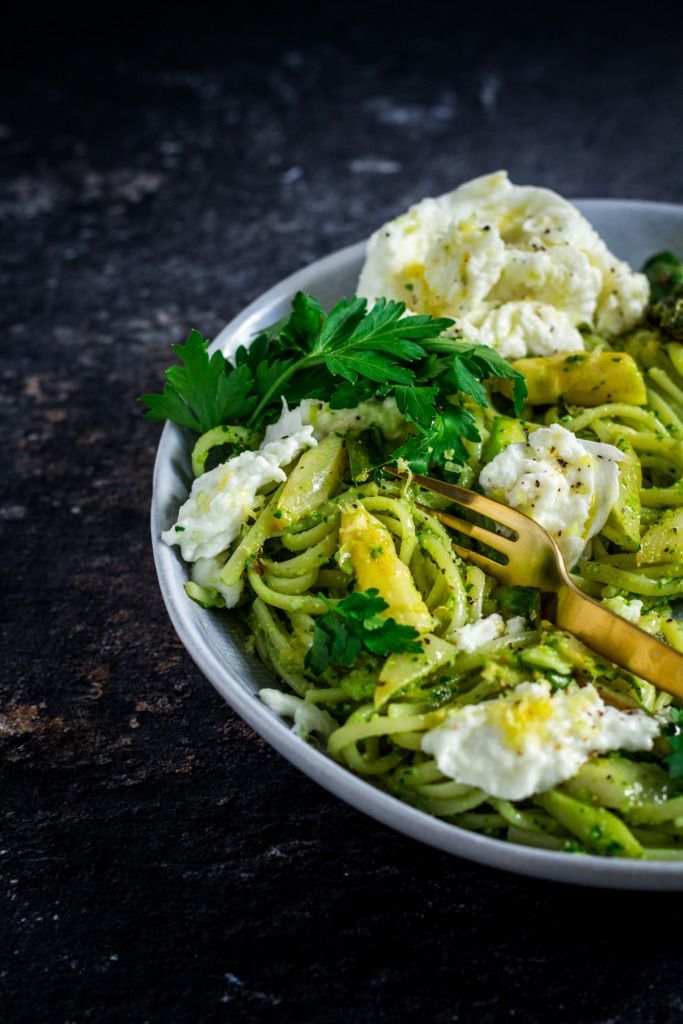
x=533 y=559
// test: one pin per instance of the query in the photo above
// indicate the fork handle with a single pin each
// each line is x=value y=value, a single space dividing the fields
x=620 y=641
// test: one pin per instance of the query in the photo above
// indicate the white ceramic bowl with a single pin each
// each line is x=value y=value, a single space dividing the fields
x=215 y=640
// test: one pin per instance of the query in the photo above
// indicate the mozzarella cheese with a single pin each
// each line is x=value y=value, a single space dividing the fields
x=474 y=635
x=222 y=500
x=567 y=485
x=516 y=267
x=532 y=739
x=519 y=328
x=307 y=717
x=631 y=610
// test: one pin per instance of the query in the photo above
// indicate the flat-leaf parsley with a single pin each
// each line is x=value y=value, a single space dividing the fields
x=353 y=625
x=346 y=356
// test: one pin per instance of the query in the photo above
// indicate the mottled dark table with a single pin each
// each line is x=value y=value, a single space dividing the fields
x=158 y=862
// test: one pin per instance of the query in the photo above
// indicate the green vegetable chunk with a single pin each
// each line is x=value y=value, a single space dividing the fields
x=599 y=830
x=518 y=601
x=364 y=452
x=505 y=431
x=581 y=378
x=644 y=793
x=663 y=541
x=664 y=271
x=402 y=670
x=547 y=659
x=316 y=476
x=623 y=523
x=237 y=437
x=250 y=543
x=207 y=597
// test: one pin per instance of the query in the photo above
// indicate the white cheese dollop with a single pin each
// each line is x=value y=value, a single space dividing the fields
x=567 y=485
x=631 y=610
x=474 y=635
x=519 y=328
x=532 y=739
x=307 y=717
x=221 y=500
x=516 y=267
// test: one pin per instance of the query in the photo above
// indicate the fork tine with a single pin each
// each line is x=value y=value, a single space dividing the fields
x=469 y=499
x=480 y=533
x=495 y=569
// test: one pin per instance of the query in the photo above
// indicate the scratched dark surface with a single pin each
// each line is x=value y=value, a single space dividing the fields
x=158 y=862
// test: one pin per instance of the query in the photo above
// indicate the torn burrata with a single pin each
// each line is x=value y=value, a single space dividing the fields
x=518 y=268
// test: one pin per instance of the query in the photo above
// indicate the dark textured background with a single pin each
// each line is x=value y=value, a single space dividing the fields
x=158 y=862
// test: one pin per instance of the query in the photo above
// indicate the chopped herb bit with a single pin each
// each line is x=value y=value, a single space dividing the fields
x=353 y=625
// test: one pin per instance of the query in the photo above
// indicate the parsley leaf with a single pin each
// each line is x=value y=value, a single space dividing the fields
x=674 y=731
x=442 y=443
x=467 y=365
x=464 y=376
x=353 y=625
x=417 y=404
x=264 y=367
x=204 y=391
x=453 y=368
x=374 y=344
x=305 y=321
x=348 y=395
x=384 y=328
x=491 y=364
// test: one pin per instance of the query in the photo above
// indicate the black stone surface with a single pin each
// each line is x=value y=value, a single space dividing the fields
x=158 y=862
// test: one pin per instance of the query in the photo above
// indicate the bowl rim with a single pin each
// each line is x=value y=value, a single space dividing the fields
x=361 y=794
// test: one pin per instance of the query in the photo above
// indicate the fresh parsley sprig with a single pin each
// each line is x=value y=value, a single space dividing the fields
x=345 y=356
x=353 y=625
x=352 y=342
x=205 y=391
x=443 y=423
